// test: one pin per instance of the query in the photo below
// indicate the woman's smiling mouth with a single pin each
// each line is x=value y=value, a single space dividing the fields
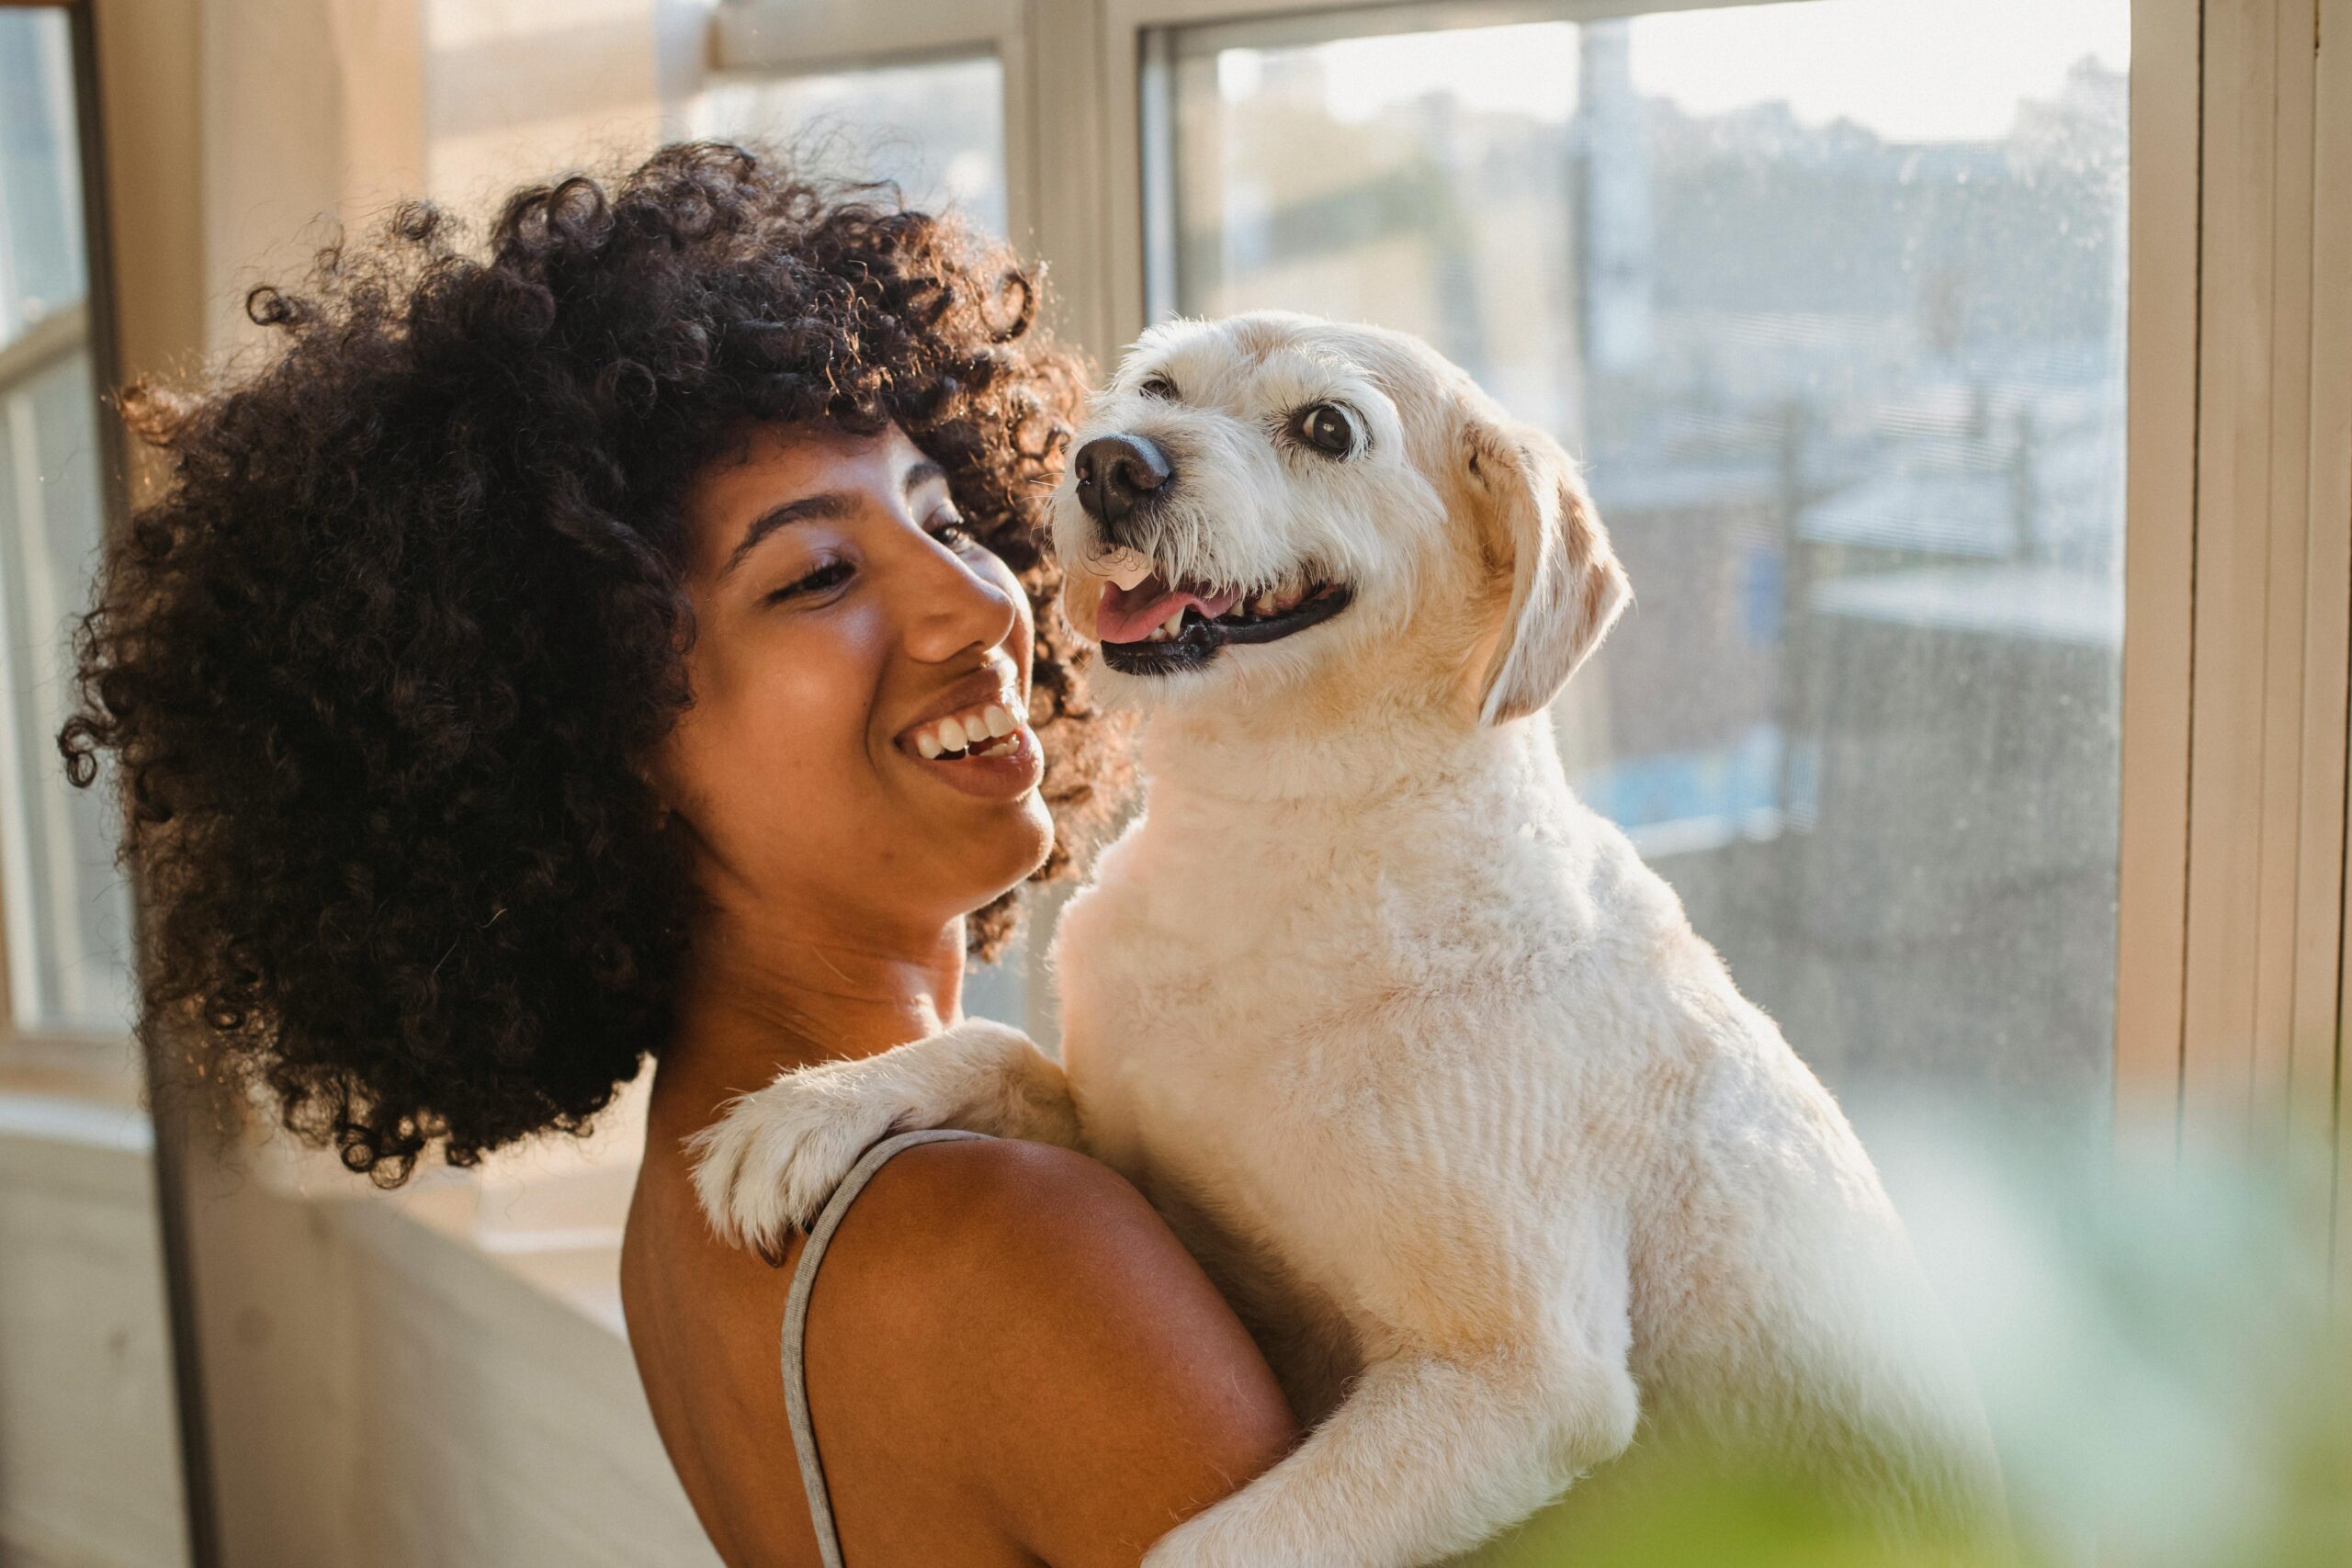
x=972 y=732
x=984 y=748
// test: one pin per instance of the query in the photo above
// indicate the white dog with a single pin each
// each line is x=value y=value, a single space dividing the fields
x=1422 y=1061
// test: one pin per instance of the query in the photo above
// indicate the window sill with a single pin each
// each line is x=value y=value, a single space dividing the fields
x=97 y=1073
x=548 y=1214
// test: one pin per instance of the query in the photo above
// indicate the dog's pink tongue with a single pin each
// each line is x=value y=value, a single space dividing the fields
x=1131 y=615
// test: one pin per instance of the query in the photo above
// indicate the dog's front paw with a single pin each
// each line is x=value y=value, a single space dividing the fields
x=766 y=1167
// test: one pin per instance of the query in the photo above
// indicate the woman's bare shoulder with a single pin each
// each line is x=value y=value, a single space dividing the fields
x=1069 y=1362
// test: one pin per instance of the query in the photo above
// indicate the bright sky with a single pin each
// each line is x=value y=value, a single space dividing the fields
x=1911 y=69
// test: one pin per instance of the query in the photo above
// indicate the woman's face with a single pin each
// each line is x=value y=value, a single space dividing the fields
x=845 y=621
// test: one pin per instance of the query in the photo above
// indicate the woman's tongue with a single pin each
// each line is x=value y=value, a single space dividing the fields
x=1131 y=615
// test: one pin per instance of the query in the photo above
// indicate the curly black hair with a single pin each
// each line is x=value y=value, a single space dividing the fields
x=381 y=664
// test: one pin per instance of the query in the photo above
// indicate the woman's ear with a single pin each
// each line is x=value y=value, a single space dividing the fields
x=1566 y=589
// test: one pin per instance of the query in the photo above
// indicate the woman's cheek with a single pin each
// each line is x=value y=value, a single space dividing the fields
x=783 y=724
x=815 y=713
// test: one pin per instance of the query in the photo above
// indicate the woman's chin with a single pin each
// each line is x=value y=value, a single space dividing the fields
x=1005 y=847
x=1034 y=835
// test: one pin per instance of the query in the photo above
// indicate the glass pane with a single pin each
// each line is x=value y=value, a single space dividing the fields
x=1830 y=296
x=40 y=209
x=936 y=127
x=68 y=913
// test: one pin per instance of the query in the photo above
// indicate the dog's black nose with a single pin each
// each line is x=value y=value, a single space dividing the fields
x=1116 y=473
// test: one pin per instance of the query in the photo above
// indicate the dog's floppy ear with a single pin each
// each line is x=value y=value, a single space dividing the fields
x=1567 y=586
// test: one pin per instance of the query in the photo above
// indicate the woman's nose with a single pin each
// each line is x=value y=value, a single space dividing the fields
x=953 y=606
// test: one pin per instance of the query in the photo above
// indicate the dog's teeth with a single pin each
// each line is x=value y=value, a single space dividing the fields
x=1124 y=566
x=1263 y=605
x=999 y=722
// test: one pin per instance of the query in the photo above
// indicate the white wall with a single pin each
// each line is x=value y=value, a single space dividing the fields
x=89 y=1461
x=384 y=1394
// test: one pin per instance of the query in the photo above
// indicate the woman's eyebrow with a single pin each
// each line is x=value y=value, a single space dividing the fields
x=824 y=505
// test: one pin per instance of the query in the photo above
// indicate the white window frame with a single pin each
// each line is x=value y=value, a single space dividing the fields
x=797 y=38
x=50 y=340
x=98 y=1065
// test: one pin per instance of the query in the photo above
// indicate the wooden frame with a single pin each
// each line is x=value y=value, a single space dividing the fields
x=2161 y=403
x=2263 y=950
x=2322 y=1109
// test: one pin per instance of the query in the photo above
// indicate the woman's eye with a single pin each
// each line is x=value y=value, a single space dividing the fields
x=954 y=534
x=1326 y=428
x=833 y=574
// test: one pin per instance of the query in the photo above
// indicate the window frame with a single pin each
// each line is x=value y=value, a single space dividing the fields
x=2323 y=1119
x=2232 y=941
x=96 y=1064
x=795 y=38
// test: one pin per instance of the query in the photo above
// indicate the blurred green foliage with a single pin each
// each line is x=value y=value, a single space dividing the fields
x=2168 y=1381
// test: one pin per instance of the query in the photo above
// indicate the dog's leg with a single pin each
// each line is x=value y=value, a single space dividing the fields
x=769 y=1164
x=1433 y=1451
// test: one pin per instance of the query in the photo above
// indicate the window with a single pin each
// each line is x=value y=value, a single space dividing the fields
x=1831 y=299
x=935 y=126
x=66 y=908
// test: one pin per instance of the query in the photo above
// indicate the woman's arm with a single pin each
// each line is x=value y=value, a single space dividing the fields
x=1010 y=1329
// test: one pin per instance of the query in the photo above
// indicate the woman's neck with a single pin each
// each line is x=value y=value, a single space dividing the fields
x=757 y=1001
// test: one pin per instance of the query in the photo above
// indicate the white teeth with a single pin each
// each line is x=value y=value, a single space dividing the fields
x=1124 y=566
x=962 y=733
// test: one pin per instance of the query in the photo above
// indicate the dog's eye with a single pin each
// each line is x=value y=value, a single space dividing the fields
x=1326 y=428
x=1159 y=387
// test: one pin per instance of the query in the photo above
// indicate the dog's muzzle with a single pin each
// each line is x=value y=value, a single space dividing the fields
x=1117 y=474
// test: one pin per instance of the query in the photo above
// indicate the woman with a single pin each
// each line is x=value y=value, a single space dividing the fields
x=541 y=661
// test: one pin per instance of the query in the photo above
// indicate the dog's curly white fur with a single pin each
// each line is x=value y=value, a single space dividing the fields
x=1417 y=1055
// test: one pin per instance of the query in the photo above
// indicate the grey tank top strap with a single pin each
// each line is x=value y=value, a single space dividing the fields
x=796 y=1325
